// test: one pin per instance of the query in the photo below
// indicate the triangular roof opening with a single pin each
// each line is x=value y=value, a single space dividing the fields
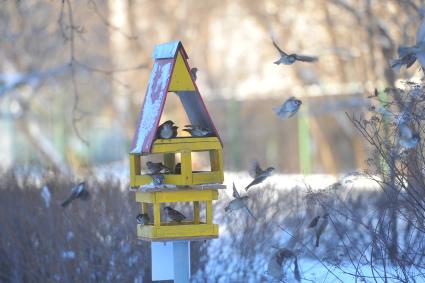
x=170 y=73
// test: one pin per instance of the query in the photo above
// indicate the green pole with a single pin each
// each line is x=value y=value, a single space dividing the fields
x=304 y=142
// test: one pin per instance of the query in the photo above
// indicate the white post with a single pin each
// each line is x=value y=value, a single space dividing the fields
x=181 y=252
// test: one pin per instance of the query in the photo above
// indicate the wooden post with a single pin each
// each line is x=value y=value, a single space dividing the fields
x=196 y=212
x=209 y=212
x=157 y=214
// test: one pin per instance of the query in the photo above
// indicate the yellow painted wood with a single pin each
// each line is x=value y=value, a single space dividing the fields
x=170 y=160
x=178 y=147
x=135 y=169
x=209 y=212
x=196 y=212
x=180 y=78
x=177 y=231
x=207 y=177
x=156 y=214
x=176 y=196
x=144 y=208
x=186 y=160
x=184 y=146
x=186 y=140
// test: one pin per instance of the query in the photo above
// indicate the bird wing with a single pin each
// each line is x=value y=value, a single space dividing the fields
x=314 y=222
x=235 y=192
x=278 y=49
x=305 y=58
x=255 y=169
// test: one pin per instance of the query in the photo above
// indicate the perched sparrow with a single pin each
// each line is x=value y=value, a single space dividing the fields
x=288 y=108
x=156 y=168
x=178 y=168
x=238 y=202
x=193 y=72
x=167 y=130
x=79 y=191
x=197 y=131
x=259 y=175
x=289 y=59
x=319 y=223
x=157 y=179
x=174 y=214
x=143 y=219
x=409 y=54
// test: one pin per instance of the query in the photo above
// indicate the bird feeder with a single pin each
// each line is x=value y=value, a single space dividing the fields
x=171 y=76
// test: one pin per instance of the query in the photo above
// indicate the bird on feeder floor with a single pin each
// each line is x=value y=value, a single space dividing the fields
x=178 y=168
x=258 y=174
x=174 y=214
x=288 y=108
x=289 y=59
x=156 y=168
x=157 y=179
x=143 y=219
x=319 y=223
x=198 y=131
x=78 y=191
x=409 y=54
x=238 y=202
x=193 y=71
x=167 y=130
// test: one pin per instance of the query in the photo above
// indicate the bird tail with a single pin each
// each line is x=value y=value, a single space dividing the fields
x=66 y=202
x=276 y=62
x=226 y=209
x=396 y=64
x=317 y=240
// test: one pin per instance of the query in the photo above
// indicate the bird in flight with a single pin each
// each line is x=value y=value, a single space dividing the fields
x=238 y=202
x=289 y=108
x=78 y=191
x=258 y=174
x=289 y=59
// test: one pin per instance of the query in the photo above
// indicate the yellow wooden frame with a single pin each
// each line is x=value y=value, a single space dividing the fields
x=185 y=146
x=161 y=231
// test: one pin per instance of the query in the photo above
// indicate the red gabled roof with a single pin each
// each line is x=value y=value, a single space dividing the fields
x=156 y=93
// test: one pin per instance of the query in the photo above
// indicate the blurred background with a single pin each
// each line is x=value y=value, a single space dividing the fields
x=73 y=76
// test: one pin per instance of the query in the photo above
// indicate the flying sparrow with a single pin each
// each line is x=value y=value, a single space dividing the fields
x=289 y=59
x=259 y=175
x=78 y=191
x=288 y=108
x=238 y=202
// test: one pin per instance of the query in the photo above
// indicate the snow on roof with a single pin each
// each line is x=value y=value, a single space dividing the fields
x=151 y=111
x=168 y=50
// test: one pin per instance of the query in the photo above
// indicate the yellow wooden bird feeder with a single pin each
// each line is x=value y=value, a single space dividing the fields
x=171 y=74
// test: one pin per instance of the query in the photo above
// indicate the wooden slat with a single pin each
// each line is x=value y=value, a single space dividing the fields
x=196 y=212
x=186 y=231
